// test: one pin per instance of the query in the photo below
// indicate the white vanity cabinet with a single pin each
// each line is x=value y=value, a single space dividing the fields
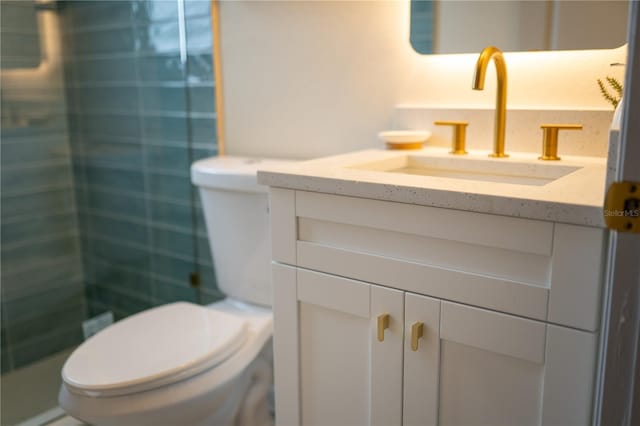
x=334 y=370
x=508 y=309
x=478 y=367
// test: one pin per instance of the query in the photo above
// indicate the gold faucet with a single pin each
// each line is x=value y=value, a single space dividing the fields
x=486 y=55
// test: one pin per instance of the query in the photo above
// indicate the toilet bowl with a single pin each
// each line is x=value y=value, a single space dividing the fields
x=185 y=364
x=119 y=387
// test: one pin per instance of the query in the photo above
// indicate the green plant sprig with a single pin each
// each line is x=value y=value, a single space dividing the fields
x=612 y=98
x=617 y=86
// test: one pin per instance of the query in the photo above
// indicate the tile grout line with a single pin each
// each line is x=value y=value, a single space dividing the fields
x=71 y=281
x=154 y=224
x=162 y=84
x=46 y=264
x=146 y=113
x=39 y=215
x=40 y=239
x=63 y=162
x=136 y=22
x=173 y=281
x=132 y=55
x=138 y=246
x=135 y=194
x=33 y=190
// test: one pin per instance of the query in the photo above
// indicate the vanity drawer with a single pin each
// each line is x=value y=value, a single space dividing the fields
x=525 y=267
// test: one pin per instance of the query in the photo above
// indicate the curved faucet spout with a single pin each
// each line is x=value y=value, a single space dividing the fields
x=487 y=54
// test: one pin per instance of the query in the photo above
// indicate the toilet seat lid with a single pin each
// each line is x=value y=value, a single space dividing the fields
x=153 y=348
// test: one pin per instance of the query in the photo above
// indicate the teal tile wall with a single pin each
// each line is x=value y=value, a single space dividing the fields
x=139 y=115
x=42 y=292
x=98 y=212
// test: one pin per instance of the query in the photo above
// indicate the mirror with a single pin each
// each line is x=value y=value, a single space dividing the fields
x=445 y=26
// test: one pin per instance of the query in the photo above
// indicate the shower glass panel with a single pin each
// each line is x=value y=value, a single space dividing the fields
x=141 y=109
x=42 y=282
x=105 y=104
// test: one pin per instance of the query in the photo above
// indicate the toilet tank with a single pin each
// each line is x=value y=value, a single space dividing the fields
x=236 y=212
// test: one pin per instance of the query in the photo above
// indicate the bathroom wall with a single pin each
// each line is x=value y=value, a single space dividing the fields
x=42 y=281
x=328 y=80
x=141 y=109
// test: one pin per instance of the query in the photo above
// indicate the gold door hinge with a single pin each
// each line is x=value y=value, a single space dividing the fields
x=622 y=207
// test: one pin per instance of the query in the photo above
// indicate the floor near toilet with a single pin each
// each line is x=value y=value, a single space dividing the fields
x=65 y=421
x=31 y=392
x=54 y=417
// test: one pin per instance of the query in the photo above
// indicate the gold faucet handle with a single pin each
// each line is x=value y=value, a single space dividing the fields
x=550 y=139
x=459 y=135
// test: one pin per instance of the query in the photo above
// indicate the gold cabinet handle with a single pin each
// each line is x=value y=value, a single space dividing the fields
x=417 y=331
x=459 y=135
x=550 y=139
x=383 y=323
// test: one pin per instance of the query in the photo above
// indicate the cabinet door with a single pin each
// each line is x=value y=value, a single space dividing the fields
x=421 y=360
x=491 y=368
x=343 y=373
x=503 y=370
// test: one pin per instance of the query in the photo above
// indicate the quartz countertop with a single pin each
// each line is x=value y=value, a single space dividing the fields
x=576 y=198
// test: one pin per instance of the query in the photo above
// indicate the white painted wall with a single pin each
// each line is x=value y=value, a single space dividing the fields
x=306 y=79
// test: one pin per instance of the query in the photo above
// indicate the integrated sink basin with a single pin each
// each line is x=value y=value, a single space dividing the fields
x=570 y=190
x=475 y=169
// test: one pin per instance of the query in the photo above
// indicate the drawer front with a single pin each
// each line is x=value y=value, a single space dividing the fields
x=473 y=289
x=529 y=236
x=513 y=265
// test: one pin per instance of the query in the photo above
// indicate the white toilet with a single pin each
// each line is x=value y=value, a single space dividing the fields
x=184 y=364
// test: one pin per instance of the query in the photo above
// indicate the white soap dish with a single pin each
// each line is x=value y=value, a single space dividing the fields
x=405 y=139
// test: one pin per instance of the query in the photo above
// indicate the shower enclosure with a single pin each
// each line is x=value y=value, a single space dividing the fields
x=104 y=104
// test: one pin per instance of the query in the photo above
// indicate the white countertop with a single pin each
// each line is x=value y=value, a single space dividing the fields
x=576 y=198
